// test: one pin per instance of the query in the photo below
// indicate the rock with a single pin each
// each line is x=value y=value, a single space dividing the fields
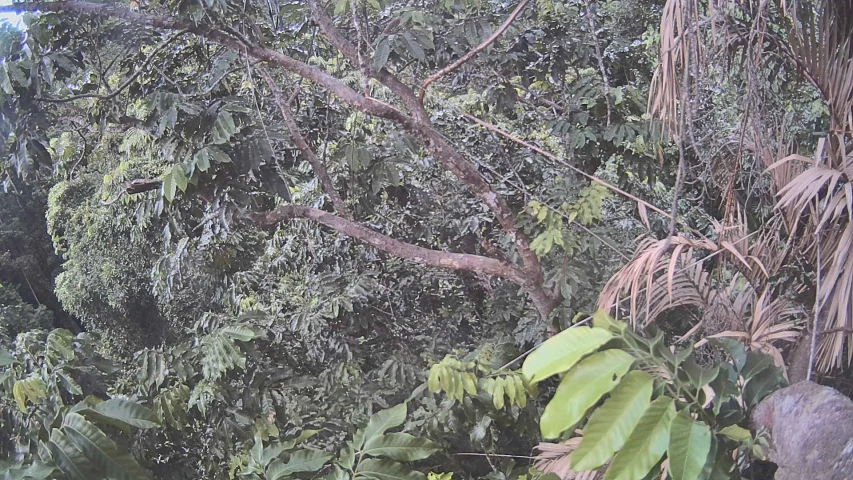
x=811 y=430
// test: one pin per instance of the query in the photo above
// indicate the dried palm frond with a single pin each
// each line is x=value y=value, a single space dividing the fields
x=764 y=327
x=652 y=262
x=820 y=199
x=664 y=92
x=556 y=458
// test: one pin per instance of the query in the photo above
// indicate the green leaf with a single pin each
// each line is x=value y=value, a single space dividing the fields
x=59 y=344
x=341 y=7
x=300 y=461
x=582 y=387
x=734 y=348
x=5 y=81
x=399 y=446
x=498 y=394
x=6 y=358
x=763 y=384
x=100 y=450
x=179 y=177
x=223 y=128
x=646 y=444
x=239 y=332
x=383 y=50
x=30 y=389
x=755 y=363
x=120 y=413
x=413 y=46
x=736 y=433
x=382 y=421
x=689 y=444
x=387 y=470
x=562 y=351
x=611 y=424
x=69 y=458
x=699 y=376
x=202 y=159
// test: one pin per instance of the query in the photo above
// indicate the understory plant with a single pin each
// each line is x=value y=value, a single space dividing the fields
x=642 y=408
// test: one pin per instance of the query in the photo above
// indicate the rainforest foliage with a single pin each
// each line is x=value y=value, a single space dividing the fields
x=418 y=240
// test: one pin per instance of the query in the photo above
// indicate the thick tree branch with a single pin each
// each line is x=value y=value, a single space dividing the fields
x=479 y=48
x=407 y=251
x=337 y=39
x=437 y=144
x=302 y=144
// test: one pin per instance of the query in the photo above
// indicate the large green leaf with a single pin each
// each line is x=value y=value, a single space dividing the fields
x=70 y=459
x=699 y=376
x=689 y=444
x=100 y=450
x=763 y=384
x=300 y=461
x=646 y=444
x=382 y=469
x=59 y=344
x=118 y=412
x=562 y=351
x=399 y=446
x=385 y=419
x=611 y=424
x=582 y=387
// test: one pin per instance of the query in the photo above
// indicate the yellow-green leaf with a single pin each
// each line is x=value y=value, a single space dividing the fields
x=611 y=424
x=581 y=388
x=646 y=444
x=562 y=351
x=689 y=444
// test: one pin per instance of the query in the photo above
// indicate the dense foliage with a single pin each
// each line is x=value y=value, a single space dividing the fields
x=249 y=239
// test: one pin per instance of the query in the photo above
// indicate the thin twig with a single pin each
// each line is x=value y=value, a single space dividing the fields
x=562 y=162
x=474 y=454
x=600 y=58
x=479 y=48
x=817 y=305
x=127 y=82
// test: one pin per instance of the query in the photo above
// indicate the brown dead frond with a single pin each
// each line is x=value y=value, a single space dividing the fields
x=556 y=458
x=664 y=92
x=772 y=320
x=819 y=202
x=652 y=262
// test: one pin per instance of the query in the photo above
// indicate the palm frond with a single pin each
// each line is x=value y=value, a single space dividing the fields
x=556 y=458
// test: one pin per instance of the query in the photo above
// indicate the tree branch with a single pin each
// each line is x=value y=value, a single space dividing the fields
x=419 y=126
x=350 y=52
x=301 y=143
x=479 y=48
x=407 y=251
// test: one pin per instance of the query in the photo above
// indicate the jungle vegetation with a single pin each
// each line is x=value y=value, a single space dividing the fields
x=411 y=240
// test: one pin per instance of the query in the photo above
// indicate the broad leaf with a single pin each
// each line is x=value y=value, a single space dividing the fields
x=70 y=459
x=763 y=384
x=387 y=470
x=736 y=433
x=646 y=444
x=689 y=444
x=380 y=57
x=59 y=344
x=120 y=413
x=562 y=351
x=611 y=424
x=300 y=461
x=581 y=388
x=755 y=363
x=399 y=446
x=30 y=389
x=734 y=348
x=100 y=450
x=699 y=376
x=385 y=419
